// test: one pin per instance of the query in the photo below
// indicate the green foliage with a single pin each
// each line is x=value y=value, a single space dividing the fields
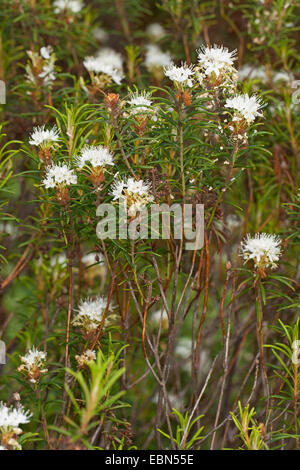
x=184 y=438
x=250 y=431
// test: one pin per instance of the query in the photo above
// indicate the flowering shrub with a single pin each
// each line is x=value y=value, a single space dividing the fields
x=115 y=112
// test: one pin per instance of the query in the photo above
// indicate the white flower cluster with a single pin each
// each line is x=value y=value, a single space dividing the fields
x=75 y=6
x=174 y=401
x=245 y=107
x=184 y=348
x=55 y=265
x=9 y=229
x=34 y=358
x=58 y=260
x=42 y=67
x=160 y=317
x=183 y=351
x=215 y=68
x=155 y=58
x=180 y=75
x=247 y=72
x=59 y=176
x=264 y=249
x=10 y=420
x=90 y=314
x=135 y=194
x=233 y=222
x=46 y=52
x=155 y=31
x=86 y=358
x=44 y=138
x=216 y=60
x=33 y=364
x=140 y=103
x=93 y=258
x=100 y=34
x=283 y=76
x=96 y=156
x=253 y=72
x=107 y=62
x=11 y=417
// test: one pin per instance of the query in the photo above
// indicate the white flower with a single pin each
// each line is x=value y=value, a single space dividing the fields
x=140 y=103
x=2 y=448
x=46 y=61
x=156 y=31
x=86 y=357
x=75 y=6
x=9 y=228
x=111 y=57
x=156 y=58
x=252 y=72
x=180 y=74
x=92 y=258
x=59 y=175
x=34 y=358
x=160 y=316
x=132 y=186
x=46 y=52
x=100 y=34
x=59 y=259
x=56 y=265
x=11 y=417
x=233 y=221
x=90 y=313
x=246 y=107
x=33 y=364
x=135 y=194
x=108 y=62
x=44 y=138
x=48 y=71
x=216 y=59
x=184 y=348
x=94 y=64
x=175 y=401
x=264 y=249
x=283 y=76
x=117 y=189
x=96 y=156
